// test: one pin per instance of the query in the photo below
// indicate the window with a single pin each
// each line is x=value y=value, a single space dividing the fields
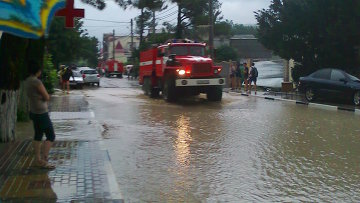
x=322 y=74
x=76 y=74
x=90 y=72
x=179 y=50
x=197 y=51
x=337 y=75
x=353 y=78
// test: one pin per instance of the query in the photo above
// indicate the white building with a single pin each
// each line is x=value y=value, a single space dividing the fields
x=120 y=48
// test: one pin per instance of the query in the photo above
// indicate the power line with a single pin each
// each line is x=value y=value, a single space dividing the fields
x=105 y=26
x=166 y=11
x=110 y=21
x=167 y=16
x=170 y=20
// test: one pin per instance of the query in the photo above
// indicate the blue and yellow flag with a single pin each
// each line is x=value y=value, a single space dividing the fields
x=28 y=18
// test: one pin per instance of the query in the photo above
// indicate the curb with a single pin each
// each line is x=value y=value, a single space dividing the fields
x=346 y=109
x=270 y=98
x=323 y=106
x=310 y=105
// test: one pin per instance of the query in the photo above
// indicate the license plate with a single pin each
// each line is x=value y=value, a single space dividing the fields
x=203 y=82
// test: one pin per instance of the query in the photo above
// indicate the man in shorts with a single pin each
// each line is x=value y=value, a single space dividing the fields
x=253 y=76
x=246 y=76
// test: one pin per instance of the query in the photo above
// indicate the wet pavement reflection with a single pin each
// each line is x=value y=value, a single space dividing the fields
x=242 y=149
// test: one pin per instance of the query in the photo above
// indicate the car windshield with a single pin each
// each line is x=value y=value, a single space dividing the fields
x=76 y=74
x=179 y=50
x=188 y=50
x=89 y=72
x=352 y=77
x=197 y=51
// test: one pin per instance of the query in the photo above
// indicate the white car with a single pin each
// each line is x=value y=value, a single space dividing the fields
x=90 y=75
x=77 y=81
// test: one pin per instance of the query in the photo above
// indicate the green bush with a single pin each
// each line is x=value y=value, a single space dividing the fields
x=225 y=53
x=49 y=74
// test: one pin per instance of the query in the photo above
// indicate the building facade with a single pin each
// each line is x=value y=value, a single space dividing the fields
x=118 y=47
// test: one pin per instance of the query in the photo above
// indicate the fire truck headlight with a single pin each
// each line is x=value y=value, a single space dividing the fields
x=221 y=81
x=181 y=72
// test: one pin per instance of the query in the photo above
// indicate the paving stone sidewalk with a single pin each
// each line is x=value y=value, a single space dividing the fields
x=83 y=169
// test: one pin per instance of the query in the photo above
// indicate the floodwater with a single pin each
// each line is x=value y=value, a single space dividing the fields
x=240 y=150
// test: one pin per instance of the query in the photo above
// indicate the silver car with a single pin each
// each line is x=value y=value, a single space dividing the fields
x=90 y=76
x=76 y=81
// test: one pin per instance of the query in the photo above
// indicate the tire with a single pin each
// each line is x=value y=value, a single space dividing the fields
x=79 y=86
x=146 y=86
x=309 y=94
x=356 y=98
x=214 y=93
x=155 y=92
x=169 y=89
x=148 y=89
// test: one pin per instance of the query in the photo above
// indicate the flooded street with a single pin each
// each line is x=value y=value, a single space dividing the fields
x=242 y=149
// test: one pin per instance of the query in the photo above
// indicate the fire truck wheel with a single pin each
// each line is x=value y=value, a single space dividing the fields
x=154 y=92
x=214 y=93
x=146 y=86
x=169 y=89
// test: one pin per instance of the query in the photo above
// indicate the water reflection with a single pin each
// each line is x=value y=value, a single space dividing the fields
x=310 y=159
x=247 y=150
x=182 y=144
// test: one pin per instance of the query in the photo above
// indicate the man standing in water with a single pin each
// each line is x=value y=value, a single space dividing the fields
x=38 y=101
x=246 y=76
x=253 y=76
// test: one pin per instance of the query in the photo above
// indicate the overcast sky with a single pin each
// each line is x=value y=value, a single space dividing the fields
x=239 y=11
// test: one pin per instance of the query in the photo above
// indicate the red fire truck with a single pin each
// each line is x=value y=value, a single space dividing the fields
x=180 y=68
x=113 y=67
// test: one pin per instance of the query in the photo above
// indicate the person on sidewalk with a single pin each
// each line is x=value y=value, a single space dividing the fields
x=246 y=77
x=38 y=102
x=232 y=76
x=253 y=76
x=238 y=77
x=60 y=74
x=66 y=77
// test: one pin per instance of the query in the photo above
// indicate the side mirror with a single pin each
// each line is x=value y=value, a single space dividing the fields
x=172 y=56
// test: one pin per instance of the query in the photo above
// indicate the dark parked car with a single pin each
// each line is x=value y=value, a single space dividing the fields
x=331 y=83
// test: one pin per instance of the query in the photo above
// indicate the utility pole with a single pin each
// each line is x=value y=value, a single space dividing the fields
x=114 y=44
x=132 y=36
x=211 y=29
x=153 y=23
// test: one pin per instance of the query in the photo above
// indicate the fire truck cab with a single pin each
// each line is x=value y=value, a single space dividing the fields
x=180 y=68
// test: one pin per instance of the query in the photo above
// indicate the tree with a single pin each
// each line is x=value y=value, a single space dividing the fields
x=147 y=8
x=223 y=28
x=69 y=45
x=13 y=69
x=192 y=13
x=317 y=34
x=225 y=53
x=239 y=29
